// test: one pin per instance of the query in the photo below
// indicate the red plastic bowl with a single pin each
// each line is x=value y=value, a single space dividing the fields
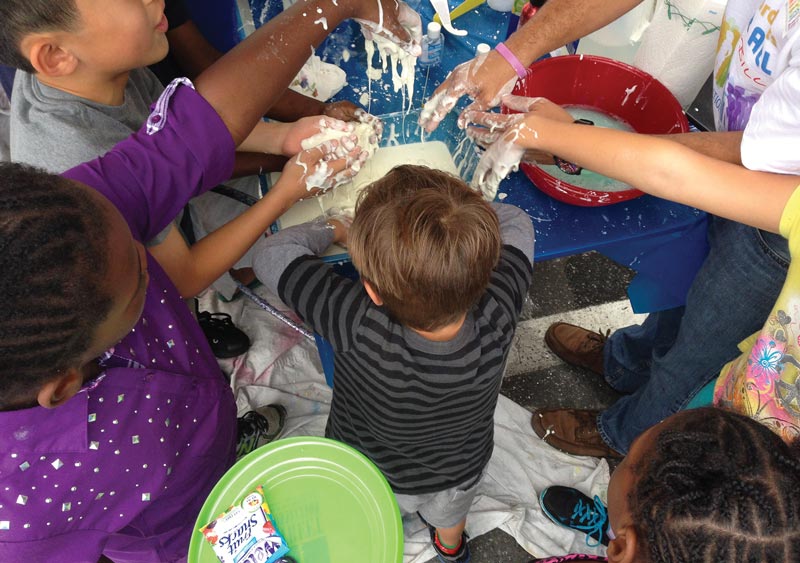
x=605 y=85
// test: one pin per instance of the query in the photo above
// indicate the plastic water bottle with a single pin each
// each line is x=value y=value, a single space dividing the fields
x=482 y=49
x=528 y=11
x=432 y=45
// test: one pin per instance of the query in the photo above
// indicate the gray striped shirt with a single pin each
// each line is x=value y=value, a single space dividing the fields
x=421 y=410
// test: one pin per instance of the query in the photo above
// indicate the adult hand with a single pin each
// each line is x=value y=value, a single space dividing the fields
x=391 y=19
x=485 y=79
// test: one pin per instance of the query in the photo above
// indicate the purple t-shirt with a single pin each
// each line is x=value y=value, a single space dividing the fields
x=124 y=467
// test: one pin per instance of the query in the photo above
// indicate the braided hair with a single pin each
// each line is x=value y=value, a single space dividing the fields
x=717 y=486
x=53 y=259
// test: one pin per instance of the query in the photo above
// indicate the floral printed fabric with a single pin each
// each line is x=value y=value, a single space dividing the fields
x=763 y=382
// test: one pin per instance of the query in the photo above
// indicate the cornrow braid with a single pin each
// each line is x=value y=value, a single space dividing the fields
x=53 y=260
x=717 y=486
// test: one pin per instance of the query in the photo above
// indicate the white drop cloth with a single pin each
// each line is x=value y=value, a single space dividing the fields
x=283 y=367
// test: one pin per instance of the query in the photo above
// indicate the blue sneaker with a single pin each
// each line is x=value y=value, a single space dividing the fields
x=461 y=556
x=572 y=509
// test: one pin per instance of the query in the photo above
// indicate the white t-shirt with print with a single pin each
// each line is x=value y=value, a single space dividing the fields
x=757 y=81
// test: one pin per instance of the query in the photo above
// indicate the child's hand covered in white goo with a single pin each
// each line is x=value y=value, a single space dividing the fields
x=340 y=220
x=395 y=21
x=485 y=128
x=509 y=139
x=366 y=129
x=309 y=127
x=319 y=169
x=347 y=111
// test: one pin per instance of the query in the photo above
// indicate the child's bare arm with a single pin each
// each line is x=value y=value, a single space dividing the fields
x=193 y=269
x=246 y=82
x=659 y=167
x=722 y=145
x=273 y=137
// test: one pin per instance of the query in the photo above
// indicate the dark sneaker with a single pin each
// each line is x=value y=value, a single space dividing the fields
x=577 y=346
x=573 y=431
x=258 y=427
x=226 y=340
x=461 y=556
x=572 y=509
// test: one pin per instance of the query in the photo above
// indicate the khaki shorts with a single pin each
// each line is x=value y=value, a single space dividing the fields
x=443 y=509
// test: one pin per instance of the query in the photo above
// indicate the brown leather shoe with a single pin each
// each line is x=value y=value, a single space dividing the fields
x=577 y=346
x=573 y=431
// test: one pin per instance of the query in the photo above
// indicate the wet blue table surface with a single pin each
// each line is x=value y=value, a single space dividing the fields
x=664 y=242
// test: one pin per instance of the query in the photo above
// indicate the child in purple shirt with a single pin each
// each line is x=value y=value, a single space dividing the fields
x=116 y=421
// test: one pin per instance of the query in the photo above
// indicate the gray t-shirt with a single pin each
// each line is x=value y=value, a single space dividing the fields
x=56 y=130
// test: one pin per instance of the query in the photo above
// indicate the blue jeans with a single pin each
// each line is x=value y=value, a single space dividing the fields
x=665 y=361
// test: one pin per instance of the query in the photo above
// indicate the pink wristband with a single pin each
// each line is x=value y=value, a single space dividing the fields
x=506 y=53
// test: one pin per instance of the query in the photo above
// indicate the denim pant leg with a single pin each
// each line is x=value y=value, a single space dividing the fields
x=729 y=300
x=628 y=352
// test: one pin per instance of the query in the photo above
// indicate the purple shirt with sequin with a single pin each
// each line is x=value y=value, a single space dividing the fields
x=124 y=466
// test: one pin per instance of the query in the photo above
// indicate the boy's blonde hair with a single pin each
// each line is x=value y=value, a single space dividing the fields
x=426 y=242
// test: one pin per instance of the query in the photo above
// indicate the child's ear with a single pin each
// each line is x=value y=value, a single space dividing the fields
x=622 y=549
x=47 y=57
x=58 y=391
x=373 y=294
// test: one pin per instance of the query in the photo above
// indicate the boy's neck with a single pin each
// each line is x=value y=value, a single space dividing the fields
x=103 y=89
x=445 y=333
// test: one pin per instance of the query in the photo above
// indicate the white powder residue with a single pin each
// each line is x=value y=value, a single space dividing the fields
x=363 y=99
x=324 y=22
x=345 y=55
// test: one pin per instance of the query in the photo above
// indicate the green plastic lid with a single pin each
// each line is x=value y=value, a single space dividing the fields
x=329 y=501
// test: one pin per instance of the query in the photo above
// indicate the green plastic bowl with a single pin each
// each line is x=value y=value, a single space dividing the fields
x=329 y=501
